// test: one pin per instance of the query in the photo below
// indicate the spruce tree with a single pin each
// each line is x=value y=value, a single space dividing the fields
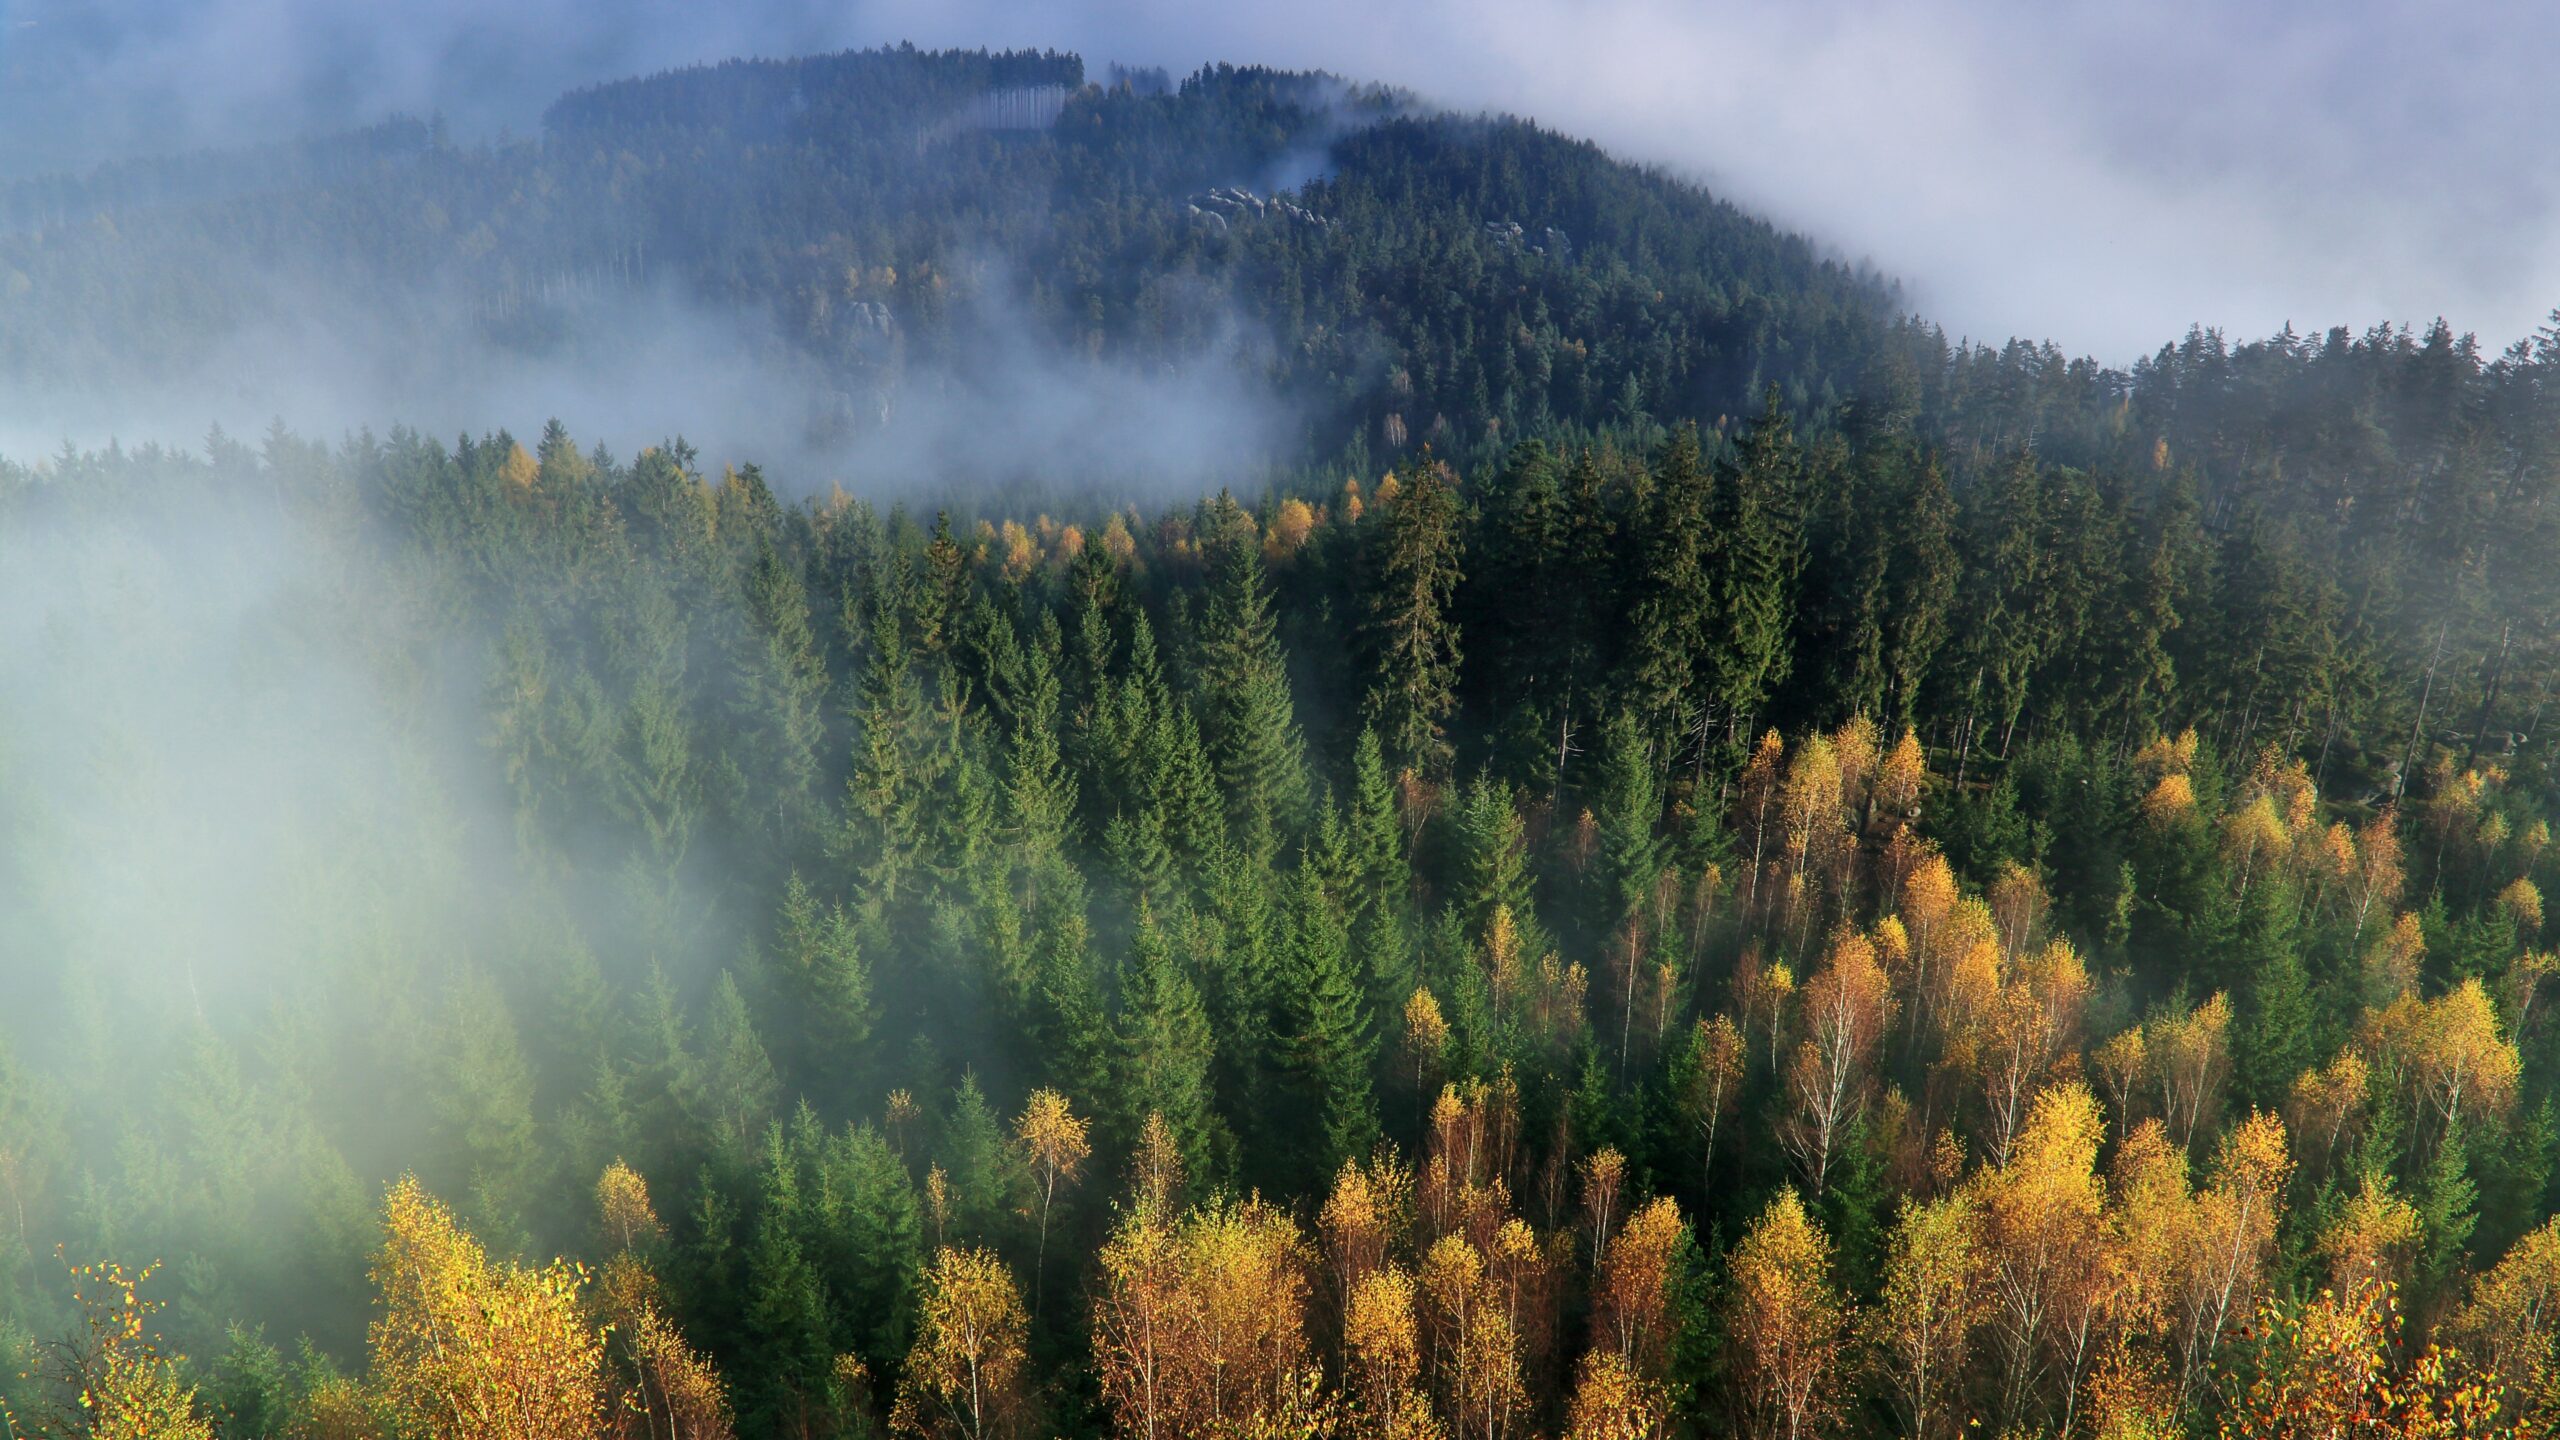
x=1413 y=638
x=983 y=1177
x=737 y=1088
x=1674 y=592
x=824 y=978
x=1628 y=812
x=885 y=826
x=1040 y=794
x=777 y=699
x=1248 y=723
x=1492 y=859
x=787 y=1347
x=1758 y=552
x=1330 y=1046
x=1166 y=1055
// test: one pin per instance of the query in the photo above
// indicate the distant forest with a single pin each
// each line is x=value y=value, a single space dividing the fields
x=1692 y=860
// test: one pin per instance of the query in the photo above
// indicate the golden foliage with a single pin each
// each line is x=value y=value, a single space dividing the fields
x=622 y=1200
x=2508 y=1325
x=1783 y=1319
x=1900 y=776
x=1848 y=1004
x=470 y=1349
x=116 y=1383
x=1053 y=1138
x=1474 y=1344
x=2391 y=966
x=1290 y=527
x=2190 y=1054
x=1200 y=1325
x=2328 y=1103
x=518 y=470
x=1155 y=1171
x=1934 y=1298
x=963 y=1374
x=1631 y=1304
x=2330 y=1368
x=2521 y=902
x=2449 y=1051
x=1382 y=1340
x=2369 y=1242
x=1611 y=1401
x=2171 y=800
x=1365 y=1217
x=669 y=1389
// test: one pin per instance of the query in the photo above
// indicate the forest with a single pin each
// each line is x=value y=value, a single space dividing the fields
x=1690 y=859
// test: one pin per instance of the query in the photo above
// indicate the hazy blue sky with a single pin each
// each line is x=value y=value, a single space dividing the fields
x=2102 y=174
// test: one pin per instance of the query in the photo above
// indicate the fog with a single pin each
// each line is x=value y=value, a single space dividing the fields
x=2100 y=175
x=632 y=367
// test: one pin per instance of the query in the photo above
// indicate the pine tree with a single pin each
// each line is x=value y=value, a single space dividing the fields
x=1629 y=811
x=2281 y=1025
x=2447 y=1201
x=1070 y=1019
x=482 y=1103
x=984 y=1182
x=1492 y=860
x=787 y=1345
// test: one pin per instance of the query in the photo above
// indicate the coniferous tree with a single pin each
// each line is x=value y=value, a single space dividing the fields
x=1413 y=637
x=1331 y=1049
x=1248 y=724
x=827 y=985
x=1166 y=1056
x=1757 y=553
x=777 y=700
x=1674 y=593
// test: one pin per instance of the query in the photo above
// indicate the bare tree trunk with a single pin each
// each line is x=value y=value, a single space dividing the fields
x=2417 y=727
x=2489 y=701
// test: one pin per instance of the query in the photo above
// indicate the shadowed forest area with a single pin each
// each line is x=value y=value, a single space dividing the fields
x=1663 y=853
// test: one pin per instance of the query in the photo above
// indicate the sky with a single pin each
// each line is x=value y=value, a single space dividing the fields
x=2100 y=175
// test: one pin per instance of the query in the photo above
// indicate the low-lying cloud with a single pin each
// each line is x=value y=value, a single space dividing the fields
x=2099 y=174
x=1013 y=410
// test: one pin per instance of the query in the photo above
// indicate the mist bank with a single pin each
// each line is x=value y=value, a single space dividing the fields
x=1003 y=409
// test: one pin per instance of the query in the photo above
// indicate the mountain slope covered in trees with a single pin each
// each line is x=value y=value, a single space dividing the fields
x=1693 y=860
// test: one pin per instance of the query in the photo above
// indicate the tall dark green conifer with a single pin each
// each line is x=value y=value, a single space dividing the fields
x=1413 y=639
x=823 y=978
x=1166 y=1054
x=1248 y=723
x=1757 y=553
x=885 y=827
x=1673 y=593
x=777 y=699
x=1330 y=1046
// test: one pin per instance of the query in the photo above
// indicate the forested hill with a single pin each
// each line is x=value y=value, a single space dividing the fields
x=1392 y=275
x=1683 y=859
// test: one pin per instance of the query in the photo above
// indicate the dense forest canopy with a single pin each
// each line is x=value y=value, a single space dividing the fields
x=1669 y=854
